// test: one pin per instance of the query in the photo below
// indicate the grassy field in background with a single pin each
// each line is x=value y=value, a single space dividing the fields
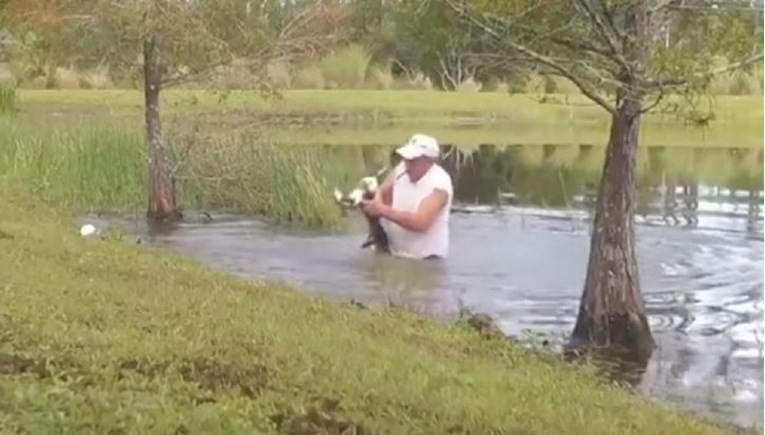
x=522 y=134
x=105 y=336
x=485 y=117
x=404 y=102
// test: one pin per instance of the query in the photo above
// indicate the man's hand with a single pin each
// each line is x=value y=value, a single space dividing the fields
x=418 y=221
x=374 y=207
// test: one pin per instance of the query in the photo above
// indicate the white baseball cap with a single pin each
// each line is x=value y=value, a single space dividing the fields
x=419 y=145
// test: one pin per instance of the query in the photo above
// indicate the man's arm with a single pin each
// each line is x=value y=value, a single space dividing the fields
x=384 y=193
x=426 y=214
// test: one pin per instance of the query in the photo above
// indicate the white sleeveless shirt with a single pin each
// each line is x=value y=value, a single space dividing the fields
x=407 y=196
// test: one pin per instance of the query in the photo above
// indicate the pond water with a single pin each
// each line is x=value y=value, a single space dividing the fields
x=520 y=242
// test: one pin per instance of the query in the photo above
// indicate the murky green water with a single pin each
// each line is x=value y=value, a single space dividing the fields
x=520 y=240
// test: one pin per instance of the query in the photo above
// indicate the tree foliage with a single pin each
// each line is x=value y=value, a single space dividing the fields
x=423 y=36
x=683 y=45
x=193 y=37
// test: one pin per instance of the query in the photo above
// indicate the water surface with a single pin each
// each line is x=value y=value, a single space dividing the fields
x=520 y=245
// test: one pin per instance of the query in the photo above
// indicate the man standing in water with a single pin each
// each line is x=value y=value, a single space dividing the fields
x=414 y=202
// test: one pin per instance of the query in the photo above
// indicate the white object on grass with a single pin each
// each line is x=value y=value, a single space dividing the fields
x=87 y=230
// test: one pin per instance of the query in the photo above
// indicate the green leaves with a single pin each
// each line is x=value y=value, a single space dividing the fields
x=194 y=37
x=650 y=48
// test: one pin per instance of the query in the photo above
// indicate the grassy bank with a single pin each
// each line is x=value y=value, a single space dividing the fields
x=521 y=134
x=105 y=336
x=404 y=103
x=496 y=117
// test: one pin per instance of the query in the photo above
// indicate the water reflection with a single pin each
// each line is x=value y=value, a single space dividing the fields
x=519 y=253
x=677 y=184
x=399 y=280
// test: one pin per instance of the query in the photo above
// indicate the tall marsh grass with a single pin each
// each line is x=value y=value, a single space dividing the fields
x=102 y=168
x=84 y=168
x=8 y=100
x=287 y=183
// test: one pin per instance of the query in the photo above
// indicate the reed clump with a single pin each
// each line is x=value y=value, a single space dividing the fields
x=286 y=183
x=102 y=167
x=8 y=97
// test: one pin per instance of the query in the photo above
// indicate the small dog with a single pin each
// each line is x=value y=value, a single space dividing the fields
x=365 y=190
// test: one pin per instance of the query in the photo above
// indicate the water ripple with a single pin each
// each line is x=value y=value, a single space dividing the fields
x=703 y=286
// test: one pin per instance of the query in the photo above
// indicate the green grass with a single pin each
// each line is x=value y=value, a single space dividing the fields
x=288 y=184
x=100 y=166
x=401 y=102
x=521 y=134
x=8 y=98
x=497 y=117
x=89 y=167
x=104 y=336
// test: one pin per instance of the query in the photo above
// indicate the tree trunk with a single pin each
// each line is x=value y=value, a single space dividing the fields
x=611 y=312
x=162 y=206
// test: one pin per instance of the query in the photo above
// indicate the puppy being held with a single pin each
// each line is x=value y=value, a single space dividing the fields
x=365 y=191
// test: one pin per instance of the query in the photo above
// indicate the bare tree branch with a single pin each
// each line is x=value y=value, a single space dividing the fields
x=659 y=83
x=660 y=5
x=651 y=106
x=180 y=76
x=581 y=45
x=587 y=90
x=606 y=35
x=609 y=14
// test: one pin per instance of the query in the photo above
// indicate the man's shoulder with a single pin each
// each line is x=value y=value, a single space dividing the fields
x=443 y=171
x=441 y=179
x=398 y=171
